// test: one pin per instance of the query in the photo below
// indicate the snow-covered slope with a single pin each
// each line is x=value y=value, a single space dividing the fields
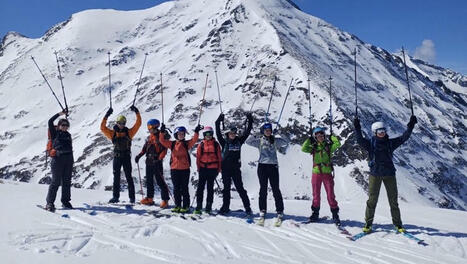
x=248 y=41
x=95 y=233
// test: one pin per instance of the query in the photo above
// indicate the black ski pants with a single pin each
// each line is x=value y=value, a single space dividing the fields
x=62 y=168
x=154 y=170
x=180 y=181
x=123 y=160
x=234 y=174
x=269 y=172
x=206 y=178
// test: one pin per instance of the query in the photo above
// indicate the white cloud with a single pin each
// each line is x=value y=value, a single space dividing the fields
x=426 y=51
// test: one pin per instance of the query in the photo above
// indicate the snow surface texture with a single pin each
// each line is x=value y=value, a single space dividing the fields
x=95 y=233
x=248 y=41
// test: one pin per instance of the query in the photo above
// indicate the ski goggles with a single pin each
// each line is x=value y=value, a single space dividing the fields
x=208 y=134
x=153 y=127
x=319 y=133
x=121 y=123
x=380 y=130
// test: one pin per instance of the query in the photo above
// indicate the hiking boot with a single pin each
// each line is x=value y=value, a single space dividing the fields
x=399 y=228
x=114 y=200
x=164 y=204
x=315 y=215
x=67 y=205
x=367 y=228
x=147 y=201
x=184 y=210
x=176 y=209
x=50 y=207
x=335 y=216
x=223 y=211
x=197 y=211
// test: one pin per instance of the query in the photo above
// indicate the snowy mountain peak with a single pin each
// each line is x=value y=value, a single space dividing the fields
x=249 y=42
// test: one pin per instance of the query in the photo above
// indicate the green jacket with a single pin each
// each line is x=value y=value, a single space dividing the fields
x=320 y=154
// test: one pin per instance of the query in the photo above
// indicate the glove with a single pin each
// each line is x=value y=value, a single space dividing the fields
x=109 y=112
x=64 y=112
x=220 y=118
x=198 y=128
x=412 y=122
x=249 y=116
x=134 y=109
x=356 y=123
x=162 y=128
x=138 y=157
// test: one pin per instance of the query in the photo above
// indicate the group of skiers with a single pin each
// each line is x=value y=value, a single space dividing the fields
x=224 y=156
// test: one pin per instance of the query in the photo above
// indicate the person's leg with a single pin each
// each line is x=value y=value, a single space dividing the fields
x=159 y=175
x=56 y=168
x=117 y=166
x=276 y=192
x=263 y=187
x=150 y=174
x=374 y=186
x=316 y=181
x=185 y=178
x=390 y=183
x=203 y=174
x=227 y=182
x=131 y=185
x=211 y=177
x=328 y=182
x=174 y=174
x=66 y=180
x=238 y=183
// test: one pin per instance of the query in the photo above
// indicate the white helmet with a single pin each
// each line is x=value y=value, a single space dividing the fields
x=377 y=125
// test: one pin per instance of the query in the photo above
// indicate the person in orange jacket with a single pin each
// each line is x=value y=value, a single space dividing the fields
x=180 y=163
x=208 y=161
x=155 y=154
x=121 y=137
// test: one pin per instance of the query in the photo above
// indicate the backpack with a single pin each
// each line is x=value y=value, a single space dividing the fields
x=185 y=144
x=49 y=149
x=117 y=140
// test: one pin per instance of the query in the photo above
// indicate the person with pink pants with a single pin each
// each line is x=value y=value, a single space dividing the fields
x=322 y=149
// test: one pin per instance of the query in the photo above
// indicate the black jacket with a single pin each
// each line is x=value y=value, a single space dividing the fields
x=231 y=149
x=380 y=151
x=61 y=140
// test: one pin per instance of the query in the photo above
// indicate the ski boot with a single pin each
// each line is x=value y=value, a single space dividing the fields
x=67 y=205
x=335 y=216
x=50 y=207
x=164 y=204
x=262 y=215
x=197 y=211
x=367 y=228
x=248 y=211
x=184 y=210
x=279 y=217
x=114 y=200
x=176 y=209
x=224 y=211
x=399 y=228
x=147 y=201
x=315 y=215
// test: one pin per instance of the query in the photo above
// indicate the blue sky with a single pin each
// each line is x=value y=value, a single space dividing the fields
x=430 y=29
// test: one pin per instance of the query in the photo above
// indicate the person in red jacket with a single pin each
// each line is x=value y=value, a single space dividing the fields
x=208 y=161
x=180 y=163
x=155 y=154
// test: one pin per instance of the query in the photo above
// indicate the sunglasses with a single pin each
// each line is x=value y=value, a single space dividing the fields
x=153 y=126
x=381 y=130
x=65 y=125
x=207 y=134
x=121 y=123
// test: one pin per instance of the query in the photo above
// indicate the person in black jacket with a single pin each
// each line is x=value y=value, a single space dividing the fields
x=62 y=162
x=380 y=149
x=231 y=163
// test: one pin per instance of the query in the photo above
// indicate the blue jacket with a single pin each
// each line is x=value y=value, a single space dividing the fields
x=380 y=151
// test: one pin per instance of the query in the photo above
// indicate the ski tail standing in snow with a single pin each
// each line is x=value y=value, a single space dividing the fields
x=268 y=167
x=231 y=163
x=60 y=149
x=382 y=171
x=180 y=163
x=121 y=137
x=155 y=153
x=321 y=149
x=208 y=162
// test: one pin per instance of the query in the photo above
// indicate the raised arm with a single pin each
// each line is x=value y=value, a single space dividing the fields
x=396 y=142
x=335 y=143
x=52 y=129
x=219 y=135
x=247 y=132
x=132 y=131
x=365 y=143
x=308 y=145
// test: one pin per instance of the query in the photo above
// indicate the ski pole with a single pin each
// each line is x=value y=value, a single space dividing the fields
x=330 y=104
x=140 y=182
x=61 y=82
x=202 y=101
x=309 y=103
x=219 y=95
x=285 y=100
x=110 y=83
x=270 y=99
x=408 y=82
x=47 y=82
x=162 y=100
x=355 y=80
x=140 y=75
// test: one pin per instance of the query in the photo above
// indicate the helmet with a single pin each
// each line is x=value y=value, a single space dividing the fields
x=208 y=129
x=266 y=126
x=377 y=125
x=153 y=123
x=121 y=119
x=179 y=129
x=232 y=130
x=318 y=129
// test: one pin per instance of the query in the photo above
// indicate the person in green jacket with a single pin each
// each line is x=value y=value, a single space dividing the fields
x=322 y=171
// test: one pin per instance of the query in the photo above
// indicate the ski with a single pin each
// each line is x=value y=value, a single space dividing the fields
x=358 y=236
x=53 y=212
x=412 y=237
x=343 y=230
x=319 y=220
x=89 y=207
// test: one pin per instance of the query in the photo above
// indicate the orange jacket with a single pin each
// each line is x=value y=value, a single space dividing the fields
x=152 y=145
x=131 y=132
x=179 y=159
x=209 y=155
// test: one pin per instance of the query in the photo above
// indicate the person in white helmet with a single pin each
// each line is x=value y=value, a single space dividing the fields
x=380 y=150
